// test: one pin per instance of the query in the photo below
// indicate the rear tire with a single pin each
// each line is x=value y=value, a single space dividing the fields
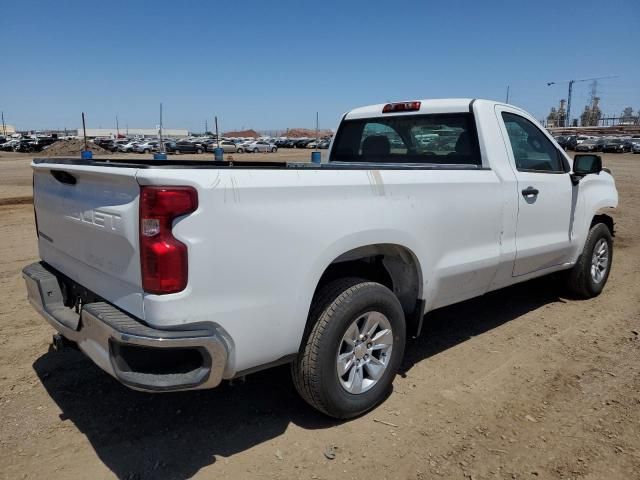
x=255 y=150
x=198 y=151
x=374 y=357
x=589 y=275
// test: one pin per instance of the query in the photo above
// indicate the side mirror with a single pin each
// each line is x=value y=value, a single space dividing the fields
x=585 y=165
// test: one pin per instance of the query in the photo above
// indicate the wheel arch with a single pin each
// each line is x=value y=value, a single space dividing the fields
x=393 y=265
x=602 y=216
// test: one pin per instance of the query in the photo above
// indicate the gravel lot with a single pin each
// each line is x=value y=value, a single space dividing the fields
x=521 y=383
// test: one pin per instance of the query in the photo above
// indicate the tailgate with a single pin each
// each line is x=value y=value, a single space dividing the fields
x=87 y=218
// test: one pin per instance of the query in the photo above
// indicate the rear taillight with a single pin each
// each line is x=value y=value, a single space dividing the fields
x=163 y=258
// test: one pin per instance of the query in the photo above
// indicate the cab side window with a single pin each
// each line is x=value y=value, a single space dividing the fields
x=532 y=150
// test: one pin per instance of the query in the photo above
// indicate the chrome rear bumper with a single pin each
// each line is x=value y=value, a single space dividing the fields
x=126 y=348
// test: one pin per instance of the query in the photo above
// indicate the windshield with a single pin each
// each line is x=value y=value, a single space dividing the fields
x=431 y=139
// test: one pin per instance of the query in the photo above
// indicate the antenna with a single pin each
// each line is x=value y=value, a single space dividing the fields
x=507 y=101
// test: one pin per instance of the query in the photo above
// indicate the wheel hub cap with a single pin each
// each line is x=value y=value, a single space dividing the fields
x=600 y=260
x=364 y=352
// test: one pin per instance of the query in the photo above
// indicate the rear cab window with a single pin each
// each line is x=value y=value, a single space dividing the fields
x=441 y=139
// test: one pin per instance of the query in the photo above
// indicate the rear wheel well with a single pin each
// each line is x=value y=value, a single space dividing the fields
x=391 y=265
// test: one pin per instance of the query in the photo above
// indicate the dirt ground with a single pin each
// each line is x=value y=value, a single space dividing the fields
x=521 y=383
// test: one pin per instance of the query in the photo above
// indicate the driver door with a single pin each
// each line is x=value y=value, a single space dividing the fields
x=546 y=201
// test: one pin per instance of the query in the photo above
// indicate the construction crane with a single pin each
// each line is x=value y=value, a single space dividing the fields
x=571 y=82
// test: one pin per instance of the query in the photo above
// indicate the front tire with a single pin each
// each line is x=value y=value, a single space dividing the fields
x=348 y=362
x=589 y=275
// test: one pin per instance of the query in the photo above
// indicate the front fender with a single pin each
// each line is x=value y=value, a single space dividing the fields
x=596 y=193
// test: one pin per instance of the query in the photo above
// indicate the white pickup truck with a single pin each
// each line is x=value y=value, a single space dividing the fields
x=175 y=275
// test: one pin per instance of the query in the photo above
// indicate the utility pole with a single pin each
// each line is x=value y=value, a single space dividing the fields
x=117 y=128
x=206 y=126
x=4 y=127
x=161 y=142
x=84 y=132
x=571 y=82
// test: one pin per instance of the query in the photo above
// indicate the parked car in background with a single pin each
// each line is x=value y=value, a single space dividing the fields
x=26 y=145
x=186 y=146
x=636 y=147
x=170 y=146
x=572 y=142
x=576 y=140
x=260 y=146
x=324 y=144
x=103 y=142
x=9 y=145
x=615 y=145
x=562 y=141
x=226 y=145
x=589 y=146
x=147 y=147
x=303 y=142
x=116 y=144
x=628 y=143
x=128 y=146
x=242 y=145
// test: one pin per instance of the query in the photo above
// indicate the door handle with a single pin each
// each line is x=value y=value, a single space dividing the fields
x=64 y=177
x=530 y=192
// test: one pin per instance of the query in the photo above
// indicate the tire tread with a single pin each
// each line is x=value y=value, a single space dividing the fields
x=577 y=277
x=305 y=371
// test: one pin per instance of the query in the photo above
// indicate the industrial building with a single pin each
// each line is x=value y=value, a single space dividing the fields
x=7 y=129
x=134 y=132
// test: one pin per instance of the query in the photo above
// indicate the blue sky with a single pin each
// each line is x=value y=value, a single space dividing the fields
x=272 y=65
